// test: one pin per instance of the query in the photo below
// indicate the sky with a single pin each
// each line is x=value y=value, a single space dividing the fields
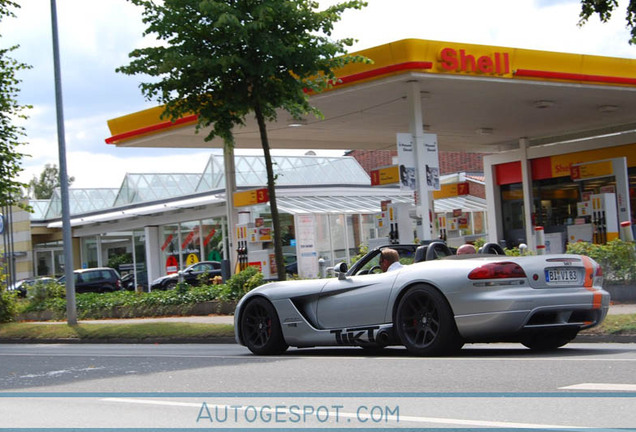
x=95 y=37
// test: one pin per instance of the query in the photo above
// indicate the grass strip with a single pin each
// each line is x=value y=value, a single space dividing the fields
x=134 y=331
x=615 y=325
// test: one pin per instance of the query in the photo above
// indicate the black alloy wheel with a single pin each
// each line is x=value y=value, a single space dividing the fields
x=425 y=323
x=260 y=328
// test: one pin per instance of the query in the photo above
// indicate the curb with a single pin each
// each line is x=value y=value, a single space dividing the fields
x=582 y=338
x=166 y=340
x=605 y=338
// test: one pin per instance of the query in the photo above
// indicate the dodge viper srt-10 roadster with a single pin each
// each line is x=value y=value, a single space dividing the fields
x=434 y=304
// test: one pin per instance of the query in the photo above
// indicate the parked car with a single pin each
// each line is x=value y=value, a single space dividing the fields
x=434 y=304
x=99 y=279
x=191 y=275
x=22 y=286
x=128 y=280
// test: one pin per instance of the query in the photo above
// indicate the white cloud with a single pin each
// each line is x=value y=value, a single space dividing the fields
x=96 y=37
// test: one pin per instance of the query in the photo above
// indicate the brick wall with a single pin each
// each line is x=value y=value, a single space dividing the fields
x=450 y=162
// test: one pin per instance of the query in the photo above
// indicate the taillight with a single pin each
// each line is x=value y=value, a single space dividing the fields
x=599 y=271
x=499 y=270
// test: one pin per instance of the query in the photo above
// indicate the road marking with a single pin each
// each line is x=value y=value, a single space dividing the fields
x=400 y=418
x=601 y=387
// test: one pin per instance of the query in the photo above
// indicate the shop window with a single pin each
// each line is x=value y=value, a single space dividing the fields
x=212 y=239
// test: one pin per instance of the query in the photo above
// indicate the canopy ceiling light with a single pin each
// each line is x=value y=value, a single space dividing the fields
x=484 y=131
x=608 y=108
x=543 y=104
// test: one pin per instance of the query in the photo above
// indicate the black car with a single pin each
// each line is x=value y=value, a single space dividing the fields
x=99 y=279
x=128 y=281
x=191 y=275
x=23 y=285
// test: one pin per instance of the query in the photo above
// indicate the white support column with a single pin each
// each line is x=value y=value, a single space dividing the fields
x=153 y=253
x=416 y=126
x=494 y=225
x=98 y=249
x=528 y=198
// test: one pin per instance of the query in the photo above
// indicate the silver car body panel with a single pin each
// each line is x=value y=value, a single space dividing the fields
x=354 y=309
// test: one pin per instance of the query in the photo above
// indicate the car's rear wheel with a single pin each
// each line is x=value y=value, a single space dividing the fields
x=260 y=328
x=171 y=285
x=424 y=323
x=549 y=340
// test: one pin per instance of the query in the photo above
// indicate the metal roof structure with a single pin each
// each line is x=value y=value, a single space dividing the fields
x=308 y=184
x=290 y=171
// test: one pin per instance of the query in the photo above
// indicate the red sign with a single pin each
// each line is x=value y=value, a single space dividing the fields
x=172 y=266
x=497 y=64
x=167 y=242
x=209 y=237
x=190 y=237
x=463 y=188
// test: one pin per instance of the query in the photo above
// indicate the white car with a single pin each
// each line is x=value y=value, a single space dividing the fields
x=432 y=306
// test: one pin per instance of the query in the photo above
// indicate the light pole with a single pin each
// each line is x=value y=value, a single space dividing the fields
x=71 y=312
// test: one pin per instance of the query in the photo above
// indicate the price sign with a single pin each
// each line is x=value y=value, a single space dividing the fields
x=251 y=197
x=383 y=176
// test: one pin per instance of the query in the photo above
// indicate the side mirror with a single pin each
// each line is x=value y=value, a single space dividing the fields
x=341 y=269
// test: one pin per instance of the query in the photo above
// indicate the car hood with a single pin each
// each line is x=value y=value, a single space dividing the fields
x=166 y=277
x=286 y=289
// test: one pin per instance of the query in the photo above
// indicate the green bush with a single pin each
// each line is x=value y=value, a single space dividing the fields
x=132 y=304
x=617 y=258
x=8 y=306
x=241 y=283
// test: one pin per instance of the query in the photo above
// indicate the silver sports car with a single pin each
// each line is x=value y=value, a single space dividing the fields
x=432 y=305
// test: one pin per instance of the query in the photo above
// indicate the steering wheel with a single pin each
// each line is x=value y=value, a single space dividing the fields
x=374 y=268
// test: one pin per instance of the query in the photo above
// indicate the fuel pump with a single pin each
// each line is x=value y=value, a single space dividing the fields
x=604 y=218
x=252 y=237
x=400 y=223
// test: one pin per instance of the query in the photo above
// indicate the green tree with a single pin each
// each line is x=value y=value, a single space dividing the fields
x=49 y=180
x=604 y=10
x=10 y=110
x=226 y=59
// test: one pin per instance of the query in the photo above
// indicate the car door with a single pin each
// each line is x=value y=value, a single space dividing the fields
x=355 y=300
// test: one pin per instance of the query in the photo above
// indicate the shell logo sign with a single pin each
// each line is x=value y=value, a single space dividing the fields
x=459 y=61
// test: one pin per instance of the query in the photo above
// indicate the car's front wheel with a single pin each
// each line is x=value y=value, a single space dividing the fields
x=549 y=340
x=260 y=328
x=424 y=323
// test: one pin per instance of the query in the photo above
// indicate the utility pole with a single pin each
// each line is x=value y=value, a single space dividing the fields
x=71 y=311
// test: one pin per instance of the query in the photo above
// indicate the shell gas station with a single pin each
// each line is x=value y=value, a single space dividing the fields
x=557 y=130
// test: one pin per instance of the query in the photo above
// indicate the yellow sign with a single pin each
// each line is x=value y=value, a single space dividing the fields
x=451 y=190
x=250 y=197
x=383 y=176
x=192 y=259
x=592 y=170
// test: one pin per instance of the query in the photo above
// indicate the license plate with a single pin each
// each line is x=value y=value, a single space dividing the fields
x=561 y=275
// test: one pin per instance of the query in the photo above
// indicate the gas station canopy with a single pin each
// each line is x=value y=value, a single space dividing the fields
x=475 y=98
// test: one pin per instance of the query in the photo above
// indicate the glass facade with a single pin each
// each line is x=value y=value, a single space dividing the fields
x=49 y=260
x=555 y=204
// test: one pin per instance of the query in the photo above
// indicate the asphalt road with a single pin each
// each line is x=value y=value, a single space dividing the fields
x=83 y=386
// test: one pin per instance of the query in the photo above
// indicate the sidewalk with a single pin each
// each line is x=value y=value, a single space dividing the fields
x=615 y=309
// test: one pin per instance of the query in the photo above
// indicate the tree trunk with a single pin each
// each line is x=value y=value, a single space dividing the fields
x=278 y=244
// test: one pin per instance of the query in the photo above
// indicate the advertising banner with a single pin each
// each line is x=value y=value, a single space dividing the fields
x=307 y=257
x=406 y=161
x=429 y=156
